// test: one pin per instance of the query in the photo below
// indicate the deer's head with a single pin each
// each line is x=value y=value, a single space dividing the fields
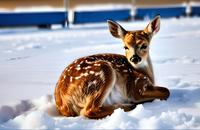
x=136 y=43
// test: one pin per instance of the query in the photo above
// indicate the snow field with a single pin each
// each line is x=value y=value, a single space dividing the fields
x=32 y=60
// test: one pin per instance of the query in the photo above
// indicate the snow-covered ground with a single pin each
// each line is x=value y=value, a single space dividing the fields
x=32 y=60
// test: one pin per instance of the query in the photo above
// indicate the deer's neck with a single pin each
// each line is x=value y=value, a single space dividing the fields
x=146 y=68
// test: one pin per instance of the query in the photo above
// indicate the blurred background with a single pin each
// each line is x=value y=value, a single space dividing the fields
x=44 y=13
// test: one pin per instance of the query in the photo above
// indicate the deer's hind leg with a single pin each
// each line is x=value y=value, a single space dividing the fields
x=96 y=93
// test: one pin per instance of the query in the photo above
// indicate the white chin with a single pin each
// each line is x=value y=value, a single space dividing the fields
x=135 y=65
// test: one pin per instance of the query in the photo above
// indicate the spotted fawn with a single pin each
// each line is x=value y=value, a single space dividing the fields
x=94 y=86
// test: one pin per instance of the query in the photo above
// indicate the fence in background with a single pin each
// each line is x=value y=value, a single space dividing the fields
x=46 y=19
x=165 y=12
x=40 y=19
x=101 y=16
x=195 y=11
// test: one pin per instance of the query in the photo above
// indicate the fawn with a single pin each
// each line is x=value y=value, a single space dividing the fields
x=94 y=86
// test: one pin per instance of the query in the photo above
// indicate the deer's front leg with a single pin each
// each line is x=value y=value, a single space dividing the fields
x=161 y=93
x=149 y=92
x=144 y=90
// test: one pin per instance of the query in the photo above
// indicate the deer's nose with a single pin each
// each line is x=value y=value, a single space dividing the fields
x=135 y=59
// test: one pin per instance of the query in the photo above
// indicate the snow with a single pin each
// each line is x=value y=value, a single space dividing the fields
x=194 y=3
x=97 y=7
x=39 y=9
x=32 y=60
x=33 y=9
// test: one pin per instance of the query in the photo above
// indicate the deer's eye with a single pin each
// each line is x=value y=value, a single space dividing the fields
x=143 y=47
x=125 y=47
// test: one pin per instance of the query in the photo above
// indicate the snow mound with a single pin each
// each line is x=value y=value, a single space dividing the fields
x=182 y=60
x=42 y=114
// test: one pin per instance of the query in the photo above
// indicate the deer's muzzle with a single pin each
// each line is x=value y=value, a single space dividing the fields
x=135 y=59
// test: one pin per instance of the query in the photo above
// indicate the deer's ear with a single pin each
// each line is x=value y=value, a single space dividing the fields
x=154 y=26
x=116 y=30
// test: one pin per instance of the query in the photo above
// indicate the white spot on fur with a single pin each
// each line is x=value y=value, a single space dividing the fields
x=81 y=62
x=125 y=71
x=69 y=68
x=64 y=76
x=94 y=82
x=140 y=91
x=118 y=66
x=136 y=80
x=88 y=62
x=81 y=75
x=78 y=68
x=101 y=75
x=90 y=83
x=97 y=64
x=145 y=87
x=91 y=72
x=75 y=61
x=97 y=73
x=78 y=77
x=71 y=78
x=88 y=67
x=85 y=74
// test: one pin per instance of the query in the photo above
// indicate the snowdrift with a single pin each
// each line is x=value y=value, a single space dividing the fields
x=32 y=60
